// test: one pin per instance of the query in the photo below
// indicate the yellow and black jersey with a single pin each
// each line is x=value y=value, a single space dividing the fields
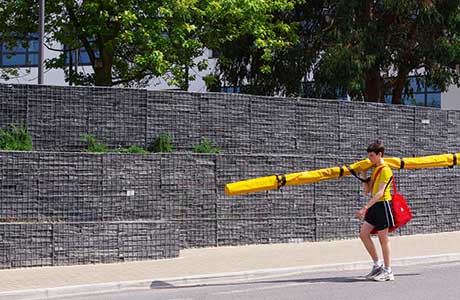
x=384 y=175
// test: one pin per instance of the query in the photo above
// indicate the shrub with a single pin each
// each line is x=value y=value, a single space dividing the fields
x=206 y=146
x=15 y=138
x=162 y=144
x=92 y=145
x=133 y=149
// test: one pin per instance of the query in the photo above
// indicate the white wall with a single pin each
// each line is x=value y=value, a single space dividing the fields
x=451 y=98
x=56 y=76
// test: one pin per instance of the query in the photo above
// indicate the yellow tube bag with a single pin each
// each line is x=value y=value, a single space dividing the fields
x=274 y=182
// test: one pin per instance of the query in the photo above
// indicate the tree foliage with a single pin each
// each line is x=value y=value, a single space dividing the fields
x=366 y=49
x=362 y=48
x=371 y=47
x=263 y=50
x=128 y=41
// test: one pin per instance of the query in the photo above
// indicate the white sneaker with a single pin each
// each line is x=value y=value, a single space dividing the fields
x=376 y=270
x=384 y=276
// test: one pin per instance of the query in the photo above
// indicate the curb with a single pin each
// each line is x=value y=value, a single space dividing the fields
x=209 y=279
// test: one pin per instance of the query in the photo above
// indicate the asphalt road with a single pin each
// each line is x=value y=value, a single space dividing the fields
x=422 y=282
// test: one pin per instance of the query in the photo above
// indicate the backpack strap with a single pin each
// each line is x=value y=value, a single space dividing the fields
x=394 y=185
x=395 y=191
x=389 y=181
x=378 y=172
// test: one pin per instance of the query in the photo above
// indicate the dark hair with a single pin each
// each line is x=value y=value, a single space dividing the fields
x=376 y=147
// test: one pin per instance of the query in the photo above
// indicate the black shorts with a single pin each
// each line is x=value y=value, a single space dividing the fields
x=380 y=215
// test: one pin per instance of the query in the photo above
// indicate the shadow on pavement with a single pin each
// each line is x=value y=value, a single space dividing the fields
x=343 y=279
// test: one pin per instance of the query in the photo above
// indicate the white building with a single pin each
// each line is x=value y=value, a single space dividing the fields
x=26 y=61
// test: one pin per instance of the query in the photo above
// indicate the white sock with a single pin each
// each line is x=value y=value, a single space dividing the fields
x=378 y=263
x=387 y=269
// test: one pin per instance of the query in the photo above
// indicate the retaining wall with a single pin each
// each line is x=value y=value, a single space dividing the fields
x=100 y=199
x=67 y=207
x=58 y=116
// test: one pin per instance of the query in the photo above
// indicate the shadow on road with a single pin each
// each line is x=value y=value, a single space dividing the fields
x=342 y=279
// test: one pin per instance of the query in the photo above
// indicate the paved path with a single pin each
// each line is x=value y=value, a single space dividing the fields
x=221 y=264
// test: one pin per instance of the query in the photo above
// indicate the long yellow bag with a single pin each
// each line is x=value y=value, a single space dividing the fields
x=277 y=181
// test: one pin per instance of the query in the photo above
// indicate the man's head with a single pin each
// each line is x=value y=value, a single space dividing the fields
x=375 y=152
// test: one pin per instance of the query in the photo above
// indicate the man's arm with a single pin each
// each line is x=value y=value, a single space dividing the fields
x=372 y=201
x=366 y=185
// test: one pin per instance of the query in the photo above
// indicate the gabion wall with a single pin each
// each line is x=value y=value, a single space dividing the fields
x=58 y=116
x=66 y=208
x=61 y=208
x=27 y=244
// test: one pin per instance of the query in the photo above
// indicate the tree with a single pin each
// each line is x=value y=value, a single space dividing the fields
x=128 y=41
x=373 y=46
x=366 y=49
x=263 y=47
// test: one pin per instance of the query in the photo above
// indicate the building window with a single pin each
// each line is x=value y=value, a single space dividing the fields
x=83 y=57
x=419 y=94
x=23 y=54
x=230 y=89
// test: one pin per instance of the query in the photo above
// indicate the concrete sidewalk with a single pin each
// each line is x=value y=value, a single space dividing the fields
x=222 y=264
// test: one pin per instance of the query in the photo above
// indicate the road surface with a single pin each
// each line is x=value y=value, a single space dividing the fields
x=436 y=281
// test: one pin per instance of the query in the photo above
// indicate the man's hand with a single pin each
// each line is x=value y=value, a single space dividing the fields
x=361 y=213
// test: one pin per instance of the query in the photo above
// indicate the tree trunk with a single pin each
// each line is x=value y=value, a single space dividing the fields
x=399 y=87
x=102 y=74
x=103 y=65
x=373 y=88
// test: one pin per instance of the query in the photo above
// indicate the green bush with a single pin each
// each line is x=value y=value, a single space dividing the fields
x=206 y=146
x=15 y=138
x=133 y=149
x=162 y=144
x=92 y=145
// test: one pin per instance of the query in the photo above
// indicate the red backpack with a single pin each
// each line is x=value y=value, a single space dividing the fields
x=401 y=211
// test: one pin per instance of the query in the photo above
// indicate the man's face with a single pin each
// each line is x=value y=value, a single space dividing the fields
x=374 y=158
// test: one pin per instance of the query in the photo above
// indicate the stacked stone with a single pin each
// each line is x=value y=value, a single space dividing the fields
x=67 y=208
x=62 y=208
x=57 y=117
x=49 y=244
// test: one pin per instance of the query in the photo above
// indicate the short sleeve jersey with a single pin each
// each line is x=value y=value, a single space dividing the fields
x=384 y=176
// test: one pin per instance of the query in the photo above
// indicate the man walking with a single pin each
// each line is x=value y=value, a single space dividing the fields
x=377 y=213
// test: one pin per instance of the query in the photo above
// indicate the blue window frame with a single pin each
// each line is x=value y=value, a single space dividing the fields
x=433 y=100
x=23 y=54
x=416 y=87
x=419 y=94
x=14 y=59
x=83 y=57
x=415 y=99
x=230 y=89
